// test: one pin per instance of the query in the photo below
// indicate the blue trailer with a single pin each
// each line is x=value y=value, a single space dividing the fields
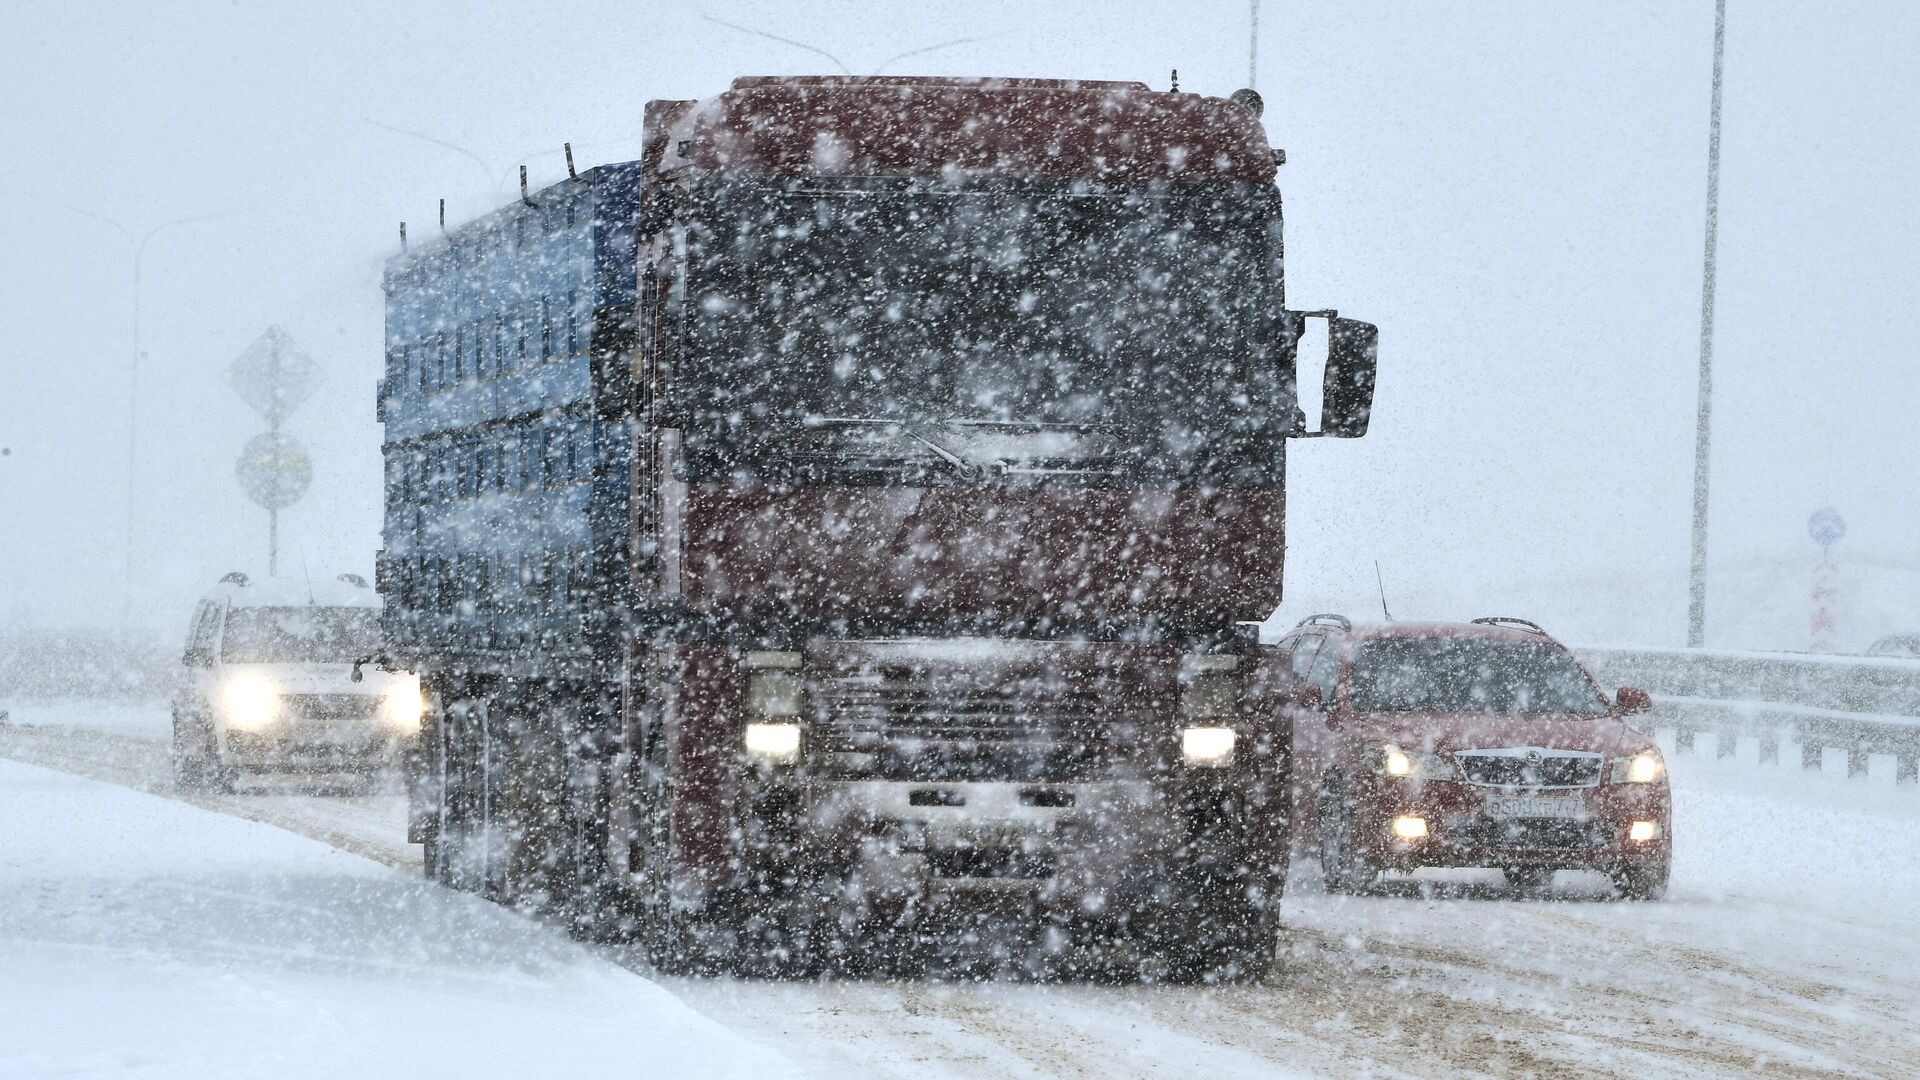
x=508 y=432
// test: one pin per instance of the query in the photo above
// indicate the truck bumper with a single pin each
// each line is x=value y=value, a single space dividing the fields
x=949 y=844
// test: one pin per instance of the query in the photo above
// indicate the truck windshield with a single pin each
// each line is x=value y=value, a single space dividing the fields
x=291 y=635
x=1471 y=675
x=1027 y=329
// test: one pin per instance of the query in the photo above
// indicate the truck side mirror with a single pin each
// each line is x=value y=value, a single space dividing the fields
x=1353 y=351
x=1632 y=699
x=1346 y=389
x=1308 y=696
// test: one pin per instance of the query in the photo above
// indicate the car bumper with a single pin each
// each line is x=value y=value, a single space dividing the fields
x=295 y=750
x=1465 y=829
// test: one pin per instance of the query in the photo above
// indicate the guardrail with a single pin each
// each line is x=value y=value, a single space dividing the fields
x=1859 y=705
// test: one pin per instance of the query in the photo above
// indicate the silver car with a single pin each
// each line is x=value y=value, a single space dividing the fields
x=268 y=684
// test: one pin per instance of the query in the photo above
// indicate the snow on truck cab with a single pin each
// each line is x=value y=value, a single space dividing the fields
x=269 y=683
x=1470 y=744
x=843 y=521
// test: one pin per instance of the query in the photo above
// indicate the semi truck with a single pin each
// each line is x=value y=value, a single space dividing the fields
x=846 y=523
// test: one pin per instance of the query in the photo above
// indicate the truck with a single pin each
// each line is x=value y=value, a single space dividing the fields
x=845 y=525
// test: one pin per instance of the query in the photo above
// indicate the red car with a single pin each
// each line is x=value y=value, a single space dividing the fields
x=1470 y=744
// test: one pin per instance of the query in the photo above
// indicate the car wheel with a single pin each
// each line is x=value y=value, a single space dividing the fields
x=1343 y=867
x=1529 y=877
x=196 y=758
x=1645 y=881
x=189 y=769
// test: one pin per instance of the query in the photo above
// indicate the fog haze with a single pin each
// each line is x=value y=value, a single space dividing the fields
x=1513 y=191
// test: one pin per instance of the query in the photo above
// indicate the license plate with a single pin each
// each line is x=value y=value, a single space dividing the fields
x=1534 y=806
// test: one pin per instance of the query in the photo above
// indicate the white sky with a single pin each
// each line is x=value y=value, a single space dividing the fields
x=1513 y=190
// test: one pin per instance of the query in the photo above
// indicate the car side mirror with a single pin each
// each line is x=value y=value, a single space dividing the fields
x=1632 y=699
x=195 y=656
x=1346 y=388
x=1308 y=696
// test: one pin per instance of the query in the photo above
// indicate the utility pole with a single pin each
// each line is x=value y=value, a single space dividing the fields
x=1253 y=46
x=138 y=244
x=1703 y=421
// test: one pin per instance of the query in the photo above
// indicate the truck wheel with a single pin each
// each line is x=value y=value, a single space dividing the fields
x=1529 y=877
x=1188 y=946
x=430 y=857
x=1645 y=881
x=678 y=942
x=1244 y=954
x=1343 y=867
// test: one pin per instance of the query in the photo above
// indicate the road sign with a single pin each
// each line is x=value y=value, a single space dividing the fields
x=1826 y=527
x=274 y=470
x=274 y=376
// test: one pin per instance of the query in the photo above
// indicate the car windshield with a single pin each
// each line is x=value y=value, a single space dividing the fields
x=1034 y=327
x=291 y=635
x=1473 y=675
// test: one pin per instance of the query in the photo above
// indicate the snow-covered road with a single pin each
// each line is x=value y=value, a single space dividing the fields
x=1790 y=945
x=143 y=937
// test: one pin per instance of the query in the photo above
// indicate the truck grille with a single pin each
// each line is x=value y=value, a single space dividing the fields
x=989 y=863
x=908 y=723
x=1527 y=767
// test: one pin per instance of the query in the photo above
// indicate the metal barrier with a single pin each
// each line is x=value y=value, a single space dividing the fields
x=1855 y=704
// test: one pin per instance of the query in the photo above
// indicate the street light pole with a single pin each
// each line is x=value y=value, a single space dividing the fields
x=1703 y=420
x=139 y=244
x=1253 y=46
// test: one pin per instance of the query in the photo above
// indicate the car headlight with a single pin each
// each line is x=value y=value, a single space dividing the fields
x=1414 y=764
x=1642 y=768
x=778 y=744
x=1208 y=747
x=404 y=706
x=249 y=700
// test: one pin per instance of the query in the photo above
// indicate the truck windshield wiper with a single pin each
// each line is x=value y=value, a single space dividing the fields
x=964 y=467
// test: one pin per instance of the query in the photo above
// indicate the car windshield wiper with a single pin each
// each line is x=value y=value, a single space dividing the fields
x=964 y=467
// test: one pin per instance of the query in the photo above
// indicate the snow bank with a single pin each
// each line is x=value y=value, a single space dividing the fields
x=141 y=936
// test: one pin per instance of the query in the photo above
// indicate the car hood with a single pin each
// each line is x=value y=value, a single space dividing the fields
x=1450 y=732
x=318 y=678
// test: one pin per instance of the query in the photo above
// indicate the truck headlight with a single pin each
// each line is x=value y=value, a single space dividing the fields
x=1642 y=768
x=1208 y=746
x=249 y=700
x=403 y=706
x=778 y=744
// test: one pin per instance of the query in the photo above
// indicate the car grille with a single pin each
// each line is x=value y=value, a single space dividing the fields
x=908 y=723
x=331 y=706
x=1528 y=768
x=1533 y=833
